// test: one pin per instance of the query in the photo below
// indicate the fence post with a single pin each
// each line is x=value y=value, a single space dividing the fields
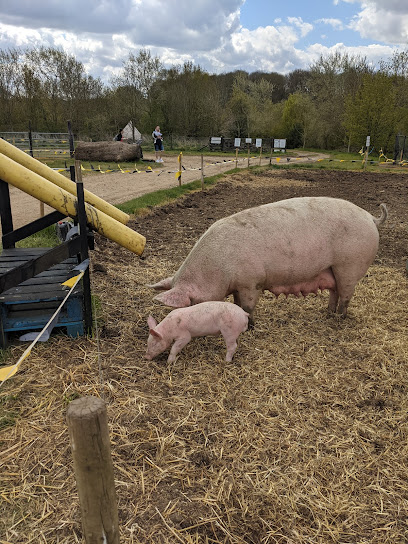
x=89 y=438
x=30 y=138
x=202 y=172
x=180 y=160
x=236 y=157
x=71 y=141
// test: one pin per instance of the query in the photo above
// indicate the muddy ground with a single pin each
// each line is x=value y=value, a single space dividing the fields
x=301 y=439
x=124 y=183
x=180 y=224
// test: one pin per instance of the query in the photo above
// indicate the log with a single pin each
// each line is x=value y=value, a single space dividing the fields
x=108 y=151
x=89 y=438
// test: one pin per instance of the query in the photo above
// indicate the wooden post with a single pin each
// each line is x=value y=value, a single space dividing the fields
x=365 y=158
x=30 y=138
x=248 y=155
x=236 y=157
x=89 y=438
x=260 y=156
x=202 y=172
x=71 y=141
x=180 y=167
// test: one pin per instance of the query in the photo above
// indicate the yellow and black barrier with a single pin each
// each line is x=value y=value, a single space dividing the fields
x=44 y=190
x=59 y=180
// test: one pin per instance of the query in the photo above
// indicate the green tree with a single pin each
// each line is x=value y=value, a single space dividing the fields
x=397 y=69
x=57 y=89
x=131 y=89
x=298 y=119
x=250 y=104
x=11 y=84
x=332 y=78
x=373 y=112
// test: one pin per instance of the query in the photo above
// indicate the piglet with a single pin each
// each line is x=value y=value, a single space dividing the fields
x=183 y=324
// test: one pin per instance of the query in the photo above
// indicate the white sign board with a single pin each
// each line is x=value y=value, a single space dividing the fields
x=368 y=141
x=279 y=144
x=237 y=142
x=258 y=142
x=248 y=140
x=215 y=140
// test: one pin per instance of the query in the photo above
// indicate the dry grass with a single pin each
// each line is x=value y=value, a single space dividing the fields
x=302 y=439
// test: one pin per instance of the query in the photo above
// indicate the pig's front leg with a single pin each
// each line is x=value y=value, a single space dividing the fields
x=247 y=298
x=178 y=346
x=333 y=300
x=231 y=348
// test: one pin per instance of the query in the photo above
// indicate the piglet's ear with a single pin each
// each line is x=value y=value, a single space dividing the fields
x=151 y=322
x=153 y=332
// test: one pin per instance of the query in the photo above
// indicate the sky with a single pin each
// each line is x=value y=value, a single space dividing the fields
x=218 y=35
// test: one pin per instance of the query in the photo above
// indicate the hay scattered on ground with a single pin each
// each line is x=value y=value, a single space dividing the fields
x=301 y=439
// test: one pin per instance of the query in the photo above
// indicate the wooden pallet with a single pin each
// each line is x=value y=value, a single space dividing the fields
x=31 y=304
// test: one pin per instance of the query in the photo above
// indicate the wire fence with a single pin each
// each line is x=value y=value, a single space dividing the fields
x=42 y=145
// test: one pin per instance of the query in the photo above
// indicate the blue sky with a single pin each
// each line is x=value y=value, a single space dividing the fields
x=219 y=35
x=255 y=13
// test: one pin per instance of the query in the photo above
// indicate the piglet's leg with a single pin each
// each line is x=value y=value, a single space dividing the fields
x=178 y=346
x=231 y=347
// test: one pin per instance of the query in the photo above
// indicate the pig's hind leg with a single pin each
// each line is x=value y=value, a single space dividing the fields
x=346 y=281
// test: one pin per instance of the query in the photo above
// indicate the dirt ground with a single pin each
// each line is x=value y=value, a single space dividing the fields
x=301 y=439
x=118 y=187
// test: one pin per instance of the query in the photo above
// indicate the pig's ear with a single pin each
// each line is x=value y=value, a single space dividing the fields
x=151 y=322
x=174 y=299
x=162 y=285
x=153 y=332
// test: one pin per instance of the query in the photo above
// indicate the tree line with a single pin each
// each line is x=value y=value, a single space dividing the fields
x=334 y=104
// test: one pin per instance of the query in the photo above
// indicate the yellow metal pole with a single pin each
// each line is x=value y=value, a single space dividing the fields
x=59 y=180
x=66 y=203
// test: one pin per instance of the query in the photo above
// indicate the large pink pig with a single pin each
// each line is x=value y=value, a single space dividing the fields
x=294 y=246
x=183 y=324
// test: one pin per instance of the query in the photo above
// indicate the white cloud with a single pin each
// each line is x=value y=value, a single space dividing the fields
x=102 y=33
x=334 y=23
x=386 y=22
x=304 y=28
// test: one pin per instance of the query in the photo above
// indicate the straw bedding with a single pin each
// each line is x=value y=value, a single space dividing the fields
x=301 y=439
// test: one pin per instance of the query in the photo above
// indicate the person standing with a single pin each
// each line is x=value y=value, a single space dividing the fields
x=119 y=136
x=158 y=143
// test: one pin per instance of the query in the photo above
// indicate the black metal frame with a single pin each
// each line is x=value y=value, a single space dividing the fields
x=76 y=246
